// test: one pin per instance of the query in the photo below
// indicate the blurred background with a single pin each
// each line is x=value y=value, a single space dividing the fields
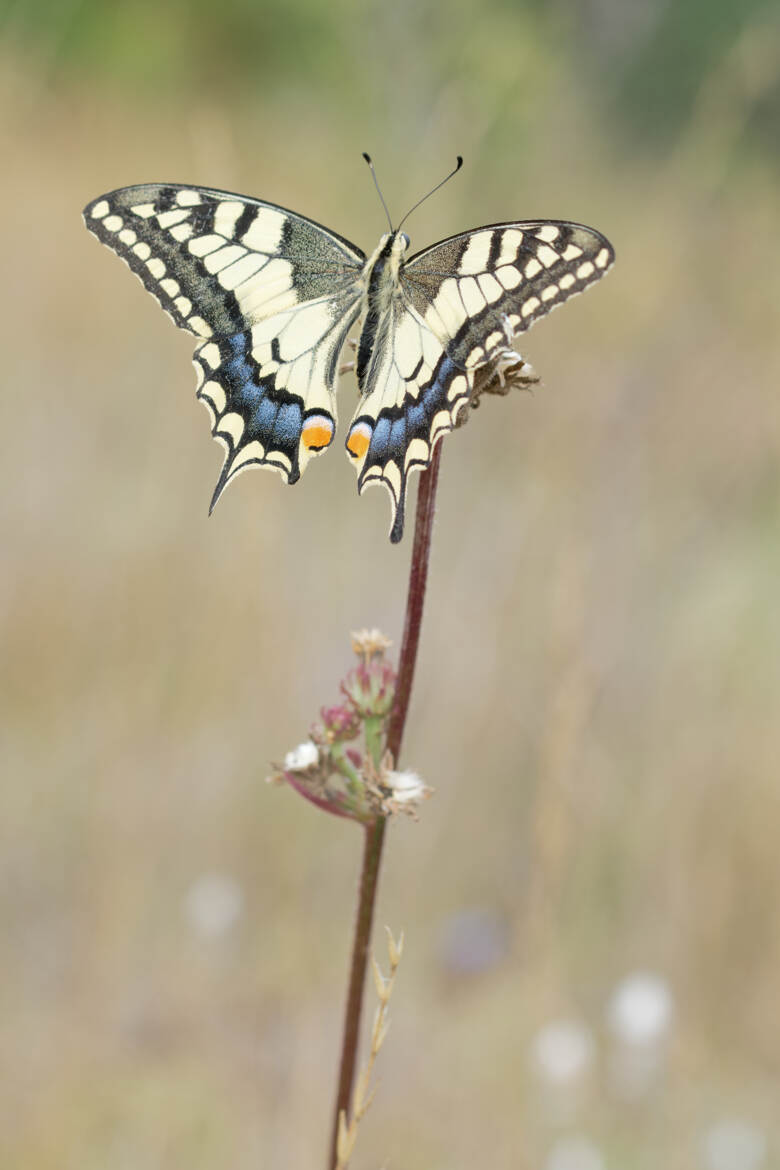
x=590 y=901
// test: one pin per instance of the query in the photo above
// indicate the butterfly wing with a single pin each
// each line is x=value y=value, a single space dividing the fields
x=462 y=301
x=270 y=296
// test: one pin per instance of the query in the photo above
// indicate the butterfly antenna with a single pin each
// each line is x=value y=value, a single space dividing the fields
x=367 y=157
x=458 y=165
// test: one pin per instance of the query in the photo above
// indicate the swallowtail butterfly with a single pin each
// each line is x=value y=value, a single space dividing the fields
x=271 y=297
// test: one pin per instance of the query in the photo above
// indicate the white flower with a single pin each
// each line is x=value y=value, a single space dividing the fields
x=300 y=759
x=407 y=787
x=213 y=904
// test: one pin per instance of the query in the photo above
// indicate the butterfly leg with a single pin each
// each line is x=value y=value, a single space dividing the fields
x=345 y=367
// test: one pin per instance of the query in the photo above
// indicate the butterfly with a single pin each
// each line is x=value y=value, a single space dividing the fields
x=271 y=297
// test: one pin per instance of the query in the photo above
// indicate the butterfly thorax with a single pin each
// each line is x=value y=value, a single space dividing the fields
x=381 y=288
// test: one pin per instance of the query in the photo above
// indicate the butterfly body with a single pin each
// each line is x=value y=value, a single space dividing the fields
x=271 y=298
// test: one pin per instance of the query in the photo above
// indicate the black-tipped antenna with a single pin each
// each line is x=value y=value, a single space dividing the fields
x=367 y=157
x=458 y=165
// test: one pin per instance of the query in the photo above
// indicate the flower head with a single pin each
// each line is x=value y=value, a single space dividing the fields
x=349 y=778
x=302 y=758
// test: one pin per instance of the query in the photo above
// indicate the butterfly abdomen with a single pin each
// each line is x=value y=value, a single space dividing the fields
x=381 y=287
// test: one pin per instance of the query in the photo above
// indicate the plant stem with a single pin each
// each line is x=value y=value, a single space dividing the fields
x=375 y=832
x=415 y=598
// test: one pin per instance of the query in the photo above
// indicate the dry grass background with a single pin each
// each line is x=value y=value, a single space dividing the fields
x=598 y=692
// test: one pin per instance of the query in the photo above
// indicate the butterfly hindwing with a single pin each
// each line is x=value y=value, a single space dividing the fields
x=269 y=388
x=269 y=294
x=413 y=391
x=461 y=302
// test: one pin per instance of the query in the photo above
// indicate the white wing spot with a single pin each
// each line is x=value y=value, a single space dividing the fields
x=128 y=236
x=572 y=252
x=232 y=424
x=142 y=250
x=511 y=242
x=491 y=289
x=550 y=292
x=188 y=198
x=530 y=306
x=509 y=276
x=303 y=330
x=183 y=304
x=407 y=348
x=458 y=388
x=602 y=260
x=202 y=245
x=252 y=453
x=241 y=270
x=223 y=256
x=210 y=355
x=585 y=270
x=226 y=215
x=532 y=267
x=476 y=254
x=548 y=233
x=100 y=209
x=472 y=297
x=566 y=281
x=391 y=474
x=113 y=223
x=200 y=326
x=144 y=210
x=447 y=308
x=170 y=286
x=418 y=451
x=215 y=394
x=156 y=267
x=441 y=422
x=547 y=256
x=265 y=233
x=182 y=231
x=169 y=219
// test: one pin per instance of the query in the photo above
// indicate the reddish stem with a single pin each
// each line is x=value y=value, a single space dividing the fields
x=375 y=832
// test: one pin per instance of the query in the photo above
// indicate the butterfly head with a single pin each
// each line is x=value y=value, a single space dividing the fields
x=394 y=243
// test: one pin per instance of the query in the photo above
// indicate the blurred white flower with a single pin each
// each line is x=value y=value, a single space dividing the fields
x=641 y=1009
x=306 y=755
x=574 y=1153
x=213 y=904
x=640 y=1014
x=563 y=1054
x=563 y=1051
x=733 y=1145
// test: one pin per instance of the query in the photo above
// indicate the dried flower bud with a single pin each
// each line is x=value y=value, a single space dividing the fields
x=339 y=723
x=391 y=792
x=405 y=786
x=368 y=644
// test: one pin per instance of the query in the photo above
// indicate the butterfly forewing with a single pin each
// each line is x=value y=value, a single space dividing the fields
x=270 y=294
x=469 y=287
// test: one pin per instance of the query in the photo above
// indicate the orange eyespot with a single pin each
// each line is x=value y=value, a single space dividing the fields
x=358 y=440
x=317 y=432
